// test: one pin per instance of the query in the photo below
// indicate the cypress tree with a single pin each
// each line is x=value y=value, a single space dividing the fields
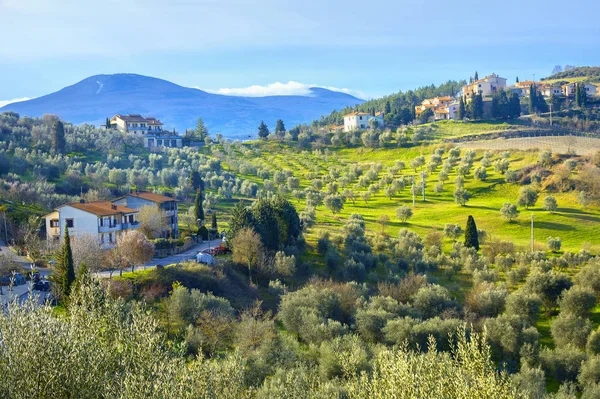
x=58 y=137
x=477 y=106
x=388 y=108
x=263 y=131
x=65 y=268
x=107 y=123
x=214 y=221
x=198 y=210
x=532 y=99
x=462 y=112
x=514 y=105
x=517 y=79
x=471 y=238
x=476 y=78
x=196 y=181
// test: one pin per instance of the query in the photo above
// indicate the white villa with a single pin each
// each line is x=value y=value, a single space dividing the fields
x=106 y=219
x=361 y=120
x=568 y=90
x=102 y=219
x=136 y=124
x=486 y=86
x=139 y=199
x=150 y=128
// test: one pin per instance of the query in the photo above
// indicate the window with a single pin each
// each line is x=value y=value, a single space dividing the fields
x=101 y=222
x=54 y=223
x=360 y=118
x=130 y=218
x=70 y=223
x=110 y=238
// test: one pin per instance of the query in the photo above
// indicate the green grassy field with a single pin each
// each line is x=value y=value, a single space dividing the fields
x=577 y=227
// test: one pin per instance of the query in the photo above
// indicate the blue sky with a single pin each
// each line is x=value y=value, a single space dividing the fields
x=244 y=47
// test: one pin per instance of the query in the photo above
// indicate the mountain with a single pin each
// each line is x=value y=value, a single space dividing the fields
x=94 y=99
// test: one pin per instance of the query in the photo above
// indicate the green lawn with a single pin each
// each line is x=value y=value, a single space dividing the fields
x=575 y=226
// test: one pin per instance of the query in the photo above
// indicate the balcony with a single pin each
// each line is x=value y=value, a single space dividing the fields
x=109 y=228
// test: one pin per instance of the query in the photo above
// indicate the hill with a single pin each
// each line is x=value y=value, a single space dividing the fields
x=592 y=73
x=97 y=97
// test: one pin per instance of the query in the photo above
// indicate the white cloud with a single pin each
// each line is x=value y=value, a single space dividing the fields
x=290 y=88
x=14 y=100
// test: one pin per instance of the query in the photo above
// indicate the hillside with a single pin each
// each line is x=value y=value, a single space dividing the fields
x=97 y=97
x=590 y=73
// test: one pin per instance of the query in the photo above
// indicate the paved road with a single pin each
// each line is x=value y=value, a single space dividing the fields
x=190 y=254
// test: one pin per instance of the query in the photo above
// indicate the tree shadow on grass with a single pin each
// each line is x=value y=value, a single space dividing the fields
x=553 y=226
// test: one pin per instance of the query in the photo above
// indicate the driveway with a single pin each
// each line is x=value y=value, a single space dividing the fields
x=188 y=255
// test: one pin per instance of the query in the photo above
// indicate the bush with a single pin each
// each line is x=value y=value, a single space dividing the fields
x=509 y=211
x=562 y=363
x=432 y=300
x=524 y=305
x=578 y=301
x=554 y=244
x=550 y=204
x=569 y=329
x=334 y=356
x=511 y=339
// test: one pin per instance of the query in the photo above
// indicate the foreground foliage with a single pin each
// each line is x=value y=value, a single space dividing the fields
x=106 y=348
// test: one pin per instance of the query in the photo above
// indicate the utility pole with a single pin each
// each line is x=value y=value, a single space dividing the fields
x=550 y=113
x=423 y=184
x=412 y=189
x=532 y=234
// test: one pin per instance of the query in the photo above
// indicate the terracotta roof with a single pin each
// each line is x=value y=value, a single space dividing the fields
x=100 y=208
x=356 y=113
x=138 y=118
x=442 y=111
x=444 y=98
x=151 y=196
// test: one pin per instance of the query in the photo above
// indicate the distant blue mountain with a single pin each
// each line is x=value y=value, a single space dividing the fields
x=94 y=99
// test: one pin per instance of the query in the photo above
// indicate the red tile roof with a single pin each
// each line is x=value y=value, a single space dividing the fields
x=101 y=208
x=151 y=196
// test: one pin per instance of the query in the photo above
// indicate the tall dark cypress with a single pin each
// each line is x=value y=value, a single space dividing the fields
x=214 y=221
x=471 y=237
x=462 y=111
x=58 y=137
x=198 y=210
x=66 y=268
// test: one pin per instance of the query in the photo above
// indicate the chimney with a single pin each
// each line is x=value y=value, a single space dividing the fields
x=82 y=201
x=113 y=207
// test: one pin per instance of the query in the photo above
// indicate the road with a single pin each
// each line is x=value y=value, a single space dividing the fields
x=190 y=254
x=22 y=292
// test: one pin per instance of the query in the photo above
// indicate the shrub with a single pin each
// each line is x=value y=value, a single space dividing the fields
x=511 y=339
x=527 y=197
x=524 y=305
x=562 y=363
x=548 y=286
x=550 y=204
x=569 y=329
x=509 y=211
x=432 y=300
x=554 y=244
x=578 y=301
x=404 y=213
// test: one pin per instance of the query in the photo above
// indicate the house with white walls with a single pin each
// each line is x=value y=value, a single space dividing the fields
x=102 y=219
x=361 y=121
x=139 y=199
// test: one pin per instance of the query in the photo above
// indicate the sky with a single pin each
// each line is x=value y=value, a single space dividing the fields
x=266 y=47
